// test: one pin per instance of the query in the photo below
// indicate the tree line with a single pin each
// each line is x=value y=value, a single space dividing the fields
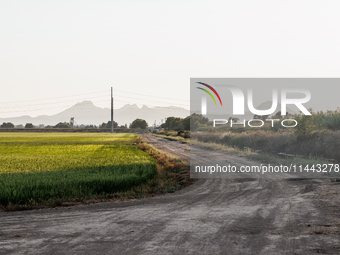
x=171 y=123
x=194 y=120
x=137 y=123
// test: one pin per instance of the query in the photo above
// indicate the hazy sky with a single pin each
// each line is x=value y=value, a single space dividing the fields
x=54 y=50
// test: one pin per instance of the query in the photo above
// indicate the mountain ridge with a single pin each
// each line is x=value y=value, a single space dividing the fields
x=87 y=113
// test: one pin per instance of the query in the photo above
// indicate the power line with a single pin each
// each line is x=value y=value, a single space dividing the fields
x=56 y=107
x=96 y=92
x=18 y=106
x=155 y=101
x=25 y=106
x=90 y=103
x=32 y=100
x=152 y=96
x=88 y=98
x=78 y=99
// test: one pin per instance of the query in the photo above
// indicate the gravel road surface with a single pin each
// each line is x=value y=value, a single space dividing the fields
x=212 y=216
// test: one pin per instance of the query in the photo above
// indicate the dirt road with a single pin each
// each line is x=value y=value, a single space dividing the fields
x=213 y=216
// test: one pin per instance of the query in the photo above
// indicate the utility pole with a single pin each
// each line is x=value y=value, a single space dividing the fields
x=111 y=109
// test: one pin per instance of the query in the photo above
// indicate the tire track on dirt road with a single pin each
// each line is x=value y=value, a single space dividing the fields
x=212 y=216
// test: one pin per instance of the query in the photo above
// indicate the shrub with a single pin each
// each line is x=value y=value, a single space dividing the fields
x=305 y=129
x=325 y=144
x=29 y=125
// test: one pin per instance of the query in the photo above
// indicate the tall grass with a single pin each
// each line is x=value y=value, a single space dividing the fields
x=326 y=144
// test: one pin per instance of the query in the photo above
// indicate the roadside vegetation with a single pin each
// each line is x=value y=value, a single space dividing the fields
x=172 y=174
x=316 y=136
x=73 y=127
x=43 y=170
x=315 y=139
x=181 y=136
x=322 y=146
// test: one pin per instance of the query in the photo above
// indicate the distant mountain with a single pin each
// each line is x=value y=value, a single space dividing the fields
x=87 y=113
x=128 y=113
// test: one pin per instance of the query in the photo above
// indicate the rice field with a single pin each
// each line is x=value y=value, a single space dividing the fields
x=36 y=167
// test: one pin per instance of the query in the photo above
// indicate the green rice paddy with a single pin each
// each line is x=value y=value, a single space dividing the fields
x=36 y=167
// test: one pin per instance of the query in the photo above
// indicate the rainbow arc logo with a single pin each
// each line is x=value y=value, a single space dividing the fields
x=208 y=92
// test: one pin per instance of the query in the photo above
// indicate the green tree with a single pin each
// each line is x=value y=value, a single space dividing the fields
x=173 y=123
x=7 y=125
x=197 y=121
x=139 y=123
x=186 y=123
x=108 y=124
x=29 y=125
x=62 y=125
x=167 y=124
x=305 y=128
